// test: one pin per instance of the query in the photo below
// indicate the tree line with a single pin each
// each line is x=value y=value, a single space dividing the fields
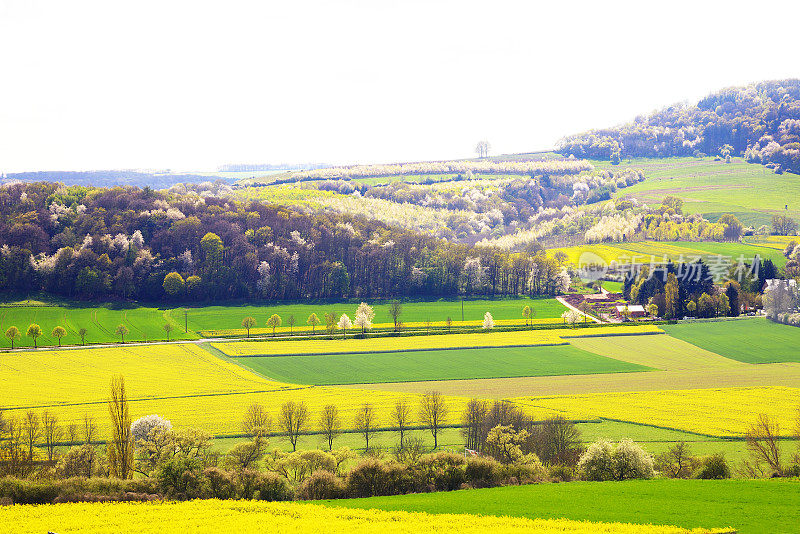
x=675 y=290
x=131 y=243
x=759 y=121
x=147 y=459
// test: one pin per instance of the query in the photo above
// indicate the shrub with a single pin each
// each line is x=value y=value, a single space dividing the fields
x=597 y=463
x=443 y=471
x=80 y=461
x=504 y=443
x=220 y=484
x=603 y=461
x=561 y=473
x=22 y=491
x=373 y=477
x=181 y=477
x=297 y=466
x=713 y=467
x=526 y=470
x=260 y=486
x=245 y=455
x=631 y=461
x=322 y=485
x=482 y=472
x=28 y=492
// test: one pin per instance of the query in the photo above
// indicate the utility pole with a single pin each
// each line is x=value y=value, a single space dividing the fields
x=185 y=321
x=462 y=310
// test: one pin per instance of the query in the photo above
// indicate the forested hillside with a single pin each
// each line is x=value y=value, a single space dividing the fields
x=760 y=121
x=132 y=243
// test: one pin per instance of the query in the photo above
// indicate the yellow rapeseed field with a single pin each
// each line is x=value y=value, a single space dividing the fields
x=183 y=383
x=70 y=376
x=716 y=411
x=222 y=414
x=386 y=344
x=246 y=517
x=263 y=331
x=606 y=252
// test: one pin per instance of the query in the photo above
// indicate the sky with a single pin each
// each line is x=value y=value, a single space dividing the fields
x=194 y=85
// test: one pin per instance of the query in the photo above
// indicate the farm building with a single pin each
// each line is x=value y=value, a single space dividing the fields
x=635 y=310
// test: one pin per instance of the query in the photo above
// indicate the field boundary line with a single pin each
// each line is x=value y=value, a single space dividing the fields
x=651 y=369
x=217 y=354
x=393 y=351
x=171 y=397
x=695 y=433
x=615 y=334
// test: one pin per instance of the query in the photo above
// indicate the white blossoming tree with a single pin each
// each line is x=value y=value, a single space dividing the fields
x=571 y=317
x=142 y=428
x=263 y=277
x=364 y=316
x=344 y=323
x=488 y=321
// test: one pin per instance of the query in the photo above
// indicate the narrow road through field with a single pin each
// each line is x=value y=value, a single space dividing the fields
x=571 y=307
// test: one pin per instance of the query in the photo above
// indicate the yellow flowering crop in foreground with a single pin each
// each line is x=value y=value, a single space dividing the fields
x=244 y=517
x=442 y=341
x=716 y=412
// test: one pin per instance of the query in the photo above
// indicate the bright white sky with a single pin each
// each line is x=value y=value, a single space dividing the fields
x=192 y=85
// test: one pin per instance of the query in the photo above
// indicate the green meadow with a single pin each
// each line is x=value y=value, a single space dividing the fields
x=230 y=317
x=100 y=322
x=435 y=365
x=749 y=506
x=751 y=192
x=753 y=340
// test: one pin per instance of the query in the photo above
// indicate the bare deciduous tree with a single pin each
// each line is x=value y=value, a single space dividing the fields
x=395 y=310
x=257 y=423
x=122 y=331
x=482 y=148
x=313 y=320
x=432 y=412
x=293 y=417
x=167 y=329
x=556 y=441
x=400 y=418
x=248 y=323
x=52 y=433
x=32 y=431
x=12 y=448
x=474 y=420
x=82 y=332
x=89 y=428
x=330 y=423
x=330 y=322
x=676 y=461
x=120 y=448
x=366 y=422
x=762 y=442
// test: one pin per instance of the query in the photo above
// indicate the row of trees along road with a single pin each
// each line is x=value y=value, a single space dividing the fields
x=34 y=332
